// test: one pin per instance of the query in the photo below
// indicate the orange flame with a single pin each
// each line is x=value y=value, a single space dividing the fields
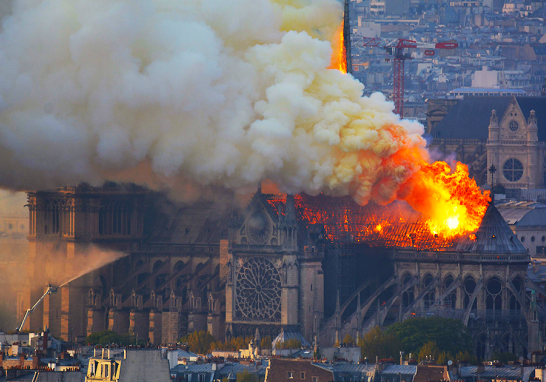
x=449 y=204
x=339 y=58
x=451 y=201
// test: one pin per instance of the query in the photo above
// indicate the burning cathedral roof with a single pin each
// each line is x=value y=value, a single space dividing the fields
x=494 y=236
x=396 y=225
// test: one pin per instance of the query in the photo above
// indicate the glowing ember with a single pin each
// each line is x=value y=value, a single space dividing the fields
x=451 y=202
x=339 y=58
x=378 y=228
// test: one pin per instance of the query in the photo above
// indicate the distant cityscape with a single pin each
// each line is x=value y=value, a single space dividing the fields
x=502 y=48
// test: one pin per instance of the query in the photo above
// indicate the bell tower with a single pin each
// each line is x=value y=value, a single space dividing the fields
x=274 y=279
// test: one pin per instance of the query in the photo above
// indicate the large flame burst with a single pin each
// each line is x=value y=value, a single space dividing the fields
x=339 y=58
x=451 y=201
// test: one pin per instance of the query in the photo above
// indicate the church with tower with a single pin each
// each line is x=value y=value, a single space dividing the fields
x=505 y=133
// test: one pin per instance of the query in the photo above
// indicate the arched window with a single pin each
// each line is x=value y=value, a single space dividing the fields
x=493 y=300
x=469 y=288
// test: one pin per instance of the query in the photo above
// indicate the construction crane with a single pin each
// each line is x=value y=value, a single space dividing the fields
x=395 y=47
x=50 y=289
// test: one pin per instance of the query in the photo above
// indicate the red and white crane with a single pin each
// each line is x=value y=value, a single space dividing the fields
x=395 y=47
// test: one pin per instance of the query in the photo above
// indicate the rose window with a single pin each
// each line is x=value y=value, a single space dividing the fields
x=258 y=291
x=512 y=170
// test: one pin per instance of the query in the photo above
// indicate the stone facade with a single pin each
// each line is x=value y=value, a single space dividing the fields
x=514 y=150
x=193 y=268
x=271 y=273
x=512 y=140
x=481 y=280
x=189 y=269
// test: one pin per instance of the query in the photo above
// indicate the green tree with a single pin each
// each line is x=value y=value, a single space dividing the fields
x=232 y=344
x=289 y=344
x=449 y=335
x=380 y=344
x=266 y=343
x=427 y=350
x=247 y=376
x=466 y=356
x=109 y=337
x=443 y=357
x=348 y=340
x=199 y=342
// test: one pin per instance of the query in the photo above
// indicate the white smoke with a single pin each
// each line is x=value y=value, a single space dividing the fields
x=205 y=93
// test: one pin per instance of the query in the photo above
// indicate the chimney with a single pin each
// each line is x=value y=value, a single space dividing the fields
x=45 y=339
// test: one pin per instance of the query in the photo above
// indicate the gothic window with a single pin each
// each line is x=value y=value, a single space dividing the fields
x=115 y=219
x=52 y=217
x=514 y=303
x=512 y=170
x=408 y=296
x=258 y=291
x=451 y=299
x=493 y=299
x=469 y=288
x=513 y=125
x=160 y=280
x=430 y=296
x=480 y=345
x=178 y=266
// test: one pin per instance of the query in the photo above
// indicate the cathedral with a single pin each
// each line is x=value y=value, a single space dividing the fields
x=501 y=132
x=316 y=266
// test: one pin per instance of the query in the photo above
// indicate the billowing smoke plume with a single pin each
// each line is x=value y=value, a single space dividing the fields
x=205 y=93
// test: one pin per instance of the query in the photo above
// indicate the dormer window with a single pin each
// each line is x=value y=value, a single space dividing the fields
x=513 y=125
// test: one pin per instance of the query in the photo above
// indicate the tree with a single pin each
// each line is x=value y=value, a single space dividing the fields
x=109 y=337
x=348 y=340
x=232 y=344
x=266 y=343
x=428 y=350
x=289 y=344
x=449 y=335
x=443 y=357
x=466 y=356
x=199 y=342
x=247 y=376
x=380 y=344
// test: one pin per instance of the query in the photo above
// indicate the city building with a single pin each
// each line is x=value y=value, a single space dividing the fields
x=129 y=366
x=288 y=370
x=507 y=133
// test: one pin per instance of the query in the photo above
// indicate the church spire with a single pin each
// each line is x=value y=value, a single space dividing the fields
x=347 y=36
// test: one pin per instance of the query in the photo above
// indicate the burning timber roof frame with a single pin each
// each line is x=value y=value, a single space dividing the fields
x=401 y=229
